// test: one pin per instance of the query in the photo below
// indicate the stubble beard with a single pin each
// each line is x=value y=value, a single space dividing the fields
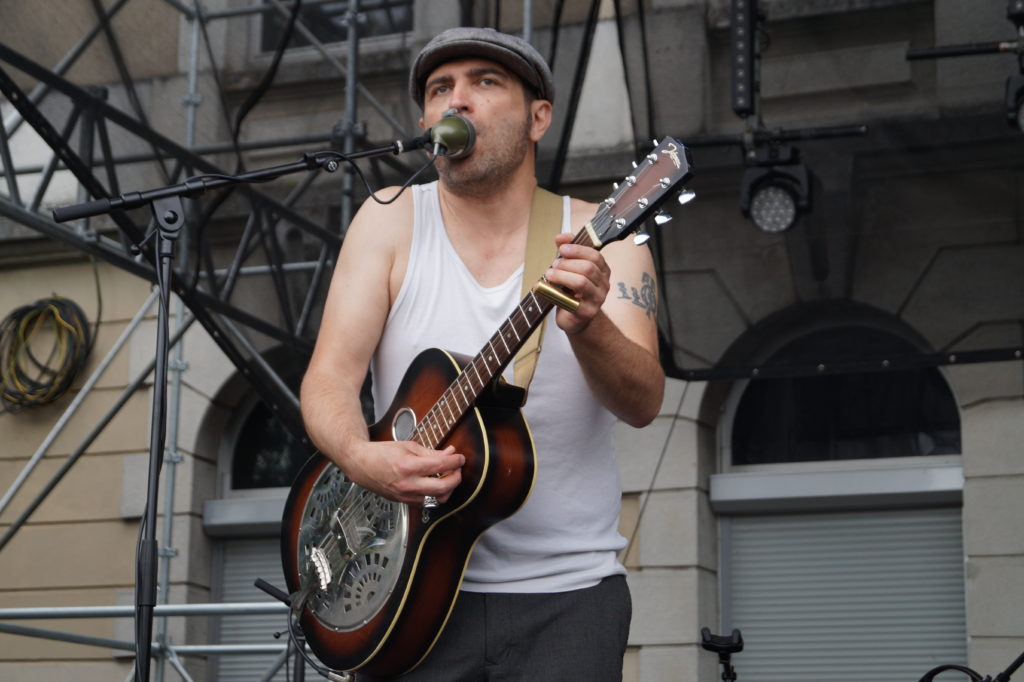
x=483 y=173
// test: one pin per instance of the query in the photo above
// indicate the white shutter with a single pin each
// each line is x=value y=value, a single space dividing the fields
x=845 y=597
x=246 y=559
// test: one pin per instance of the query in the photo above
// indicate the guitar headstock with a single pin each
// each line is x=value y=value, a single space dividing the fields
x=641 y=193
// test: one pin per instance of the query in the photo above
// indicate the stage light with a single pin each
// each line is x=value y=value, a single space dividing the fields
x=775 y=191
x=1015 y=101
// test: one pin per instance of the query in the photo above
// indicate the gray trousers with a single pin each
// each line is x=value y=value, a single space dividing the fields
x=570 y=636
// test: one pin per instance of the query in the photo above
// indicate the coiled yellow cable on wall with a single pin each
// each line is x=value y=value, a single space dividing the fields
x=43 y=346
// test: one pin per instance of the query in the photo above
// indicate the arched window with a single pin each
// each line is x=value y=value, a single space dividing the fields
x=857 y=415
x=266 y=454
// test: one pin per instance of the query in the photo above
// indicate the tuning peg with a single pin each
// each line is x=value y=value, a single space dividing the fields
x=662 y=218
x=686 y=196
x=640 y=238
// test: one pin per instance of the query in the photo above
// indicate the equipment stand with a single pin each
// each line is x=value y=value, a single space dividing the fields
x=170 y=217
x=725 y=647
x=299 y=672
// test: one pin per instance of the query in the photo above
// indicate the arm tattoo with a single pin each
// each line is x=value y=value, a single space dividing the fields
x=646 y=297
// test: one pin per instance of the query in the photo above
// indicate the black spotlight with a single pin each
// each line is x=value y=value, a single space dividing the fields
x=776 y=189
x=1015 y=101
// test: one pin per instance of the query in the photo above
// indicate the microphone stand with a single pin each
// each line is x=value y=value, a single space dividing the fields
x=166 y=206
x=327 y=160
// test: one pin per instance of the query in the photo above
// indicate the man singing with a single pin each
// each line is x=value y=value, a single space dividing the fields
x=544 y=595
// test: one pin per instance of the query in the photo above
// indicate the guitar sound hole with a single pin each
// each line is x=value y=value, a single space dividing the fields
x=404 y=425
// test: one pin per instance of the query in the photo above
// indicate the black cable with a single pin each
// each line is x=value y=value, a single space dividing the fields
x=556 y=24
x=654 y=477
x=430 y=162
x=648 y=90
x=26 y=378
x=215 y=71
x=256 y=95
x=300 y=647
x=99 y=304
x=239 y=163
x=558 y=165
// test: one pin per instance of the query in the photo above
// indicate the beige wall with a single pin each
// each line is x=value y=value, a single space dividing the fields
x=673 y=553
x=993 y=537
x=78 y=548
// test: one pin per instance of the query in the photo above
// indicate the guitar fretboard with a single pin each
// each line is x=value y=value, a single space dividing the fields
x=487 y=365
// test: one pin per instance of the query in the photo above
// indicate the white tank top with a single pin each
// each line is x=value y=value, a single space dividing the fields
x=565 y=536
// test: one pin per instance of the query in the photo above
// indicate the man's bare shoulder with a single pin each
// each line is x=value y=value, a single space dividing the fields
x=384 y=223
x=376 y=246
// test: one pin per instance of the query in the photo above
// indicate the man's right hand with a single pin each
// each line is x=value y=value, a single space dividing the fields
x=405 y=471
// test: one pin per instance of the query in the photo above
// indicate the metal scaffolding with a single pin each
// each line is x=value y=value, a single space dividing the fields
x=161 y=649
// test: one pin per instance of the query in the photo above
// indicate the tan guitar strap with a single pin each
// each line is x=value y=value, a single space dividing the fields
x=545 y=223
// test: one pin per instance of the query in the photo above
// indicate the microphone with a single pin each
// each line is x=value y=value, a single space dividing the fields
x=453 y=136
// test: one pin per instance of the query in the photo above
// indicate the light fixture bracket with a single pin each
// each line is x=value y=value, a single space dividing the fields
x=771 y=155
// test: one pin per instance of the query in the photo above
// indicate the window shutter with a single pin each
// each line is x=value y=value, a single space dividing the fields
x=845 y=597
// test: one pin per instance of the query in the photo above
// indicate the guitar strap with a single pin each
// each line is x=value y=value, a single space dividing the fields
x=545 y=223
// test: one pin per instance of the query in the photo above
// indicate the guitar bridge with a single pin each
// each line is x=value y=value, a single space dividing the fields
x=321 y=566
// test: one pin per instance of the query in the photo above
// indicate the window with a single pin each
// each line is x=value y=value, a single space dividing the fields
x=862 y=415
x=327 y=22
x=266 y=454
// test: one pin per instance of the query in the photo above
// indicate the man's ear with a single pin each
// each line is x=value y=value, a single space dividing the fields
x=540 y=118
x=420 y=124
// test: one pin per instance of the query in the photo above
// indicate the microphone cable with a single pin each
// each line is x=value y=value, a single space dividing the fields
x=294 y=635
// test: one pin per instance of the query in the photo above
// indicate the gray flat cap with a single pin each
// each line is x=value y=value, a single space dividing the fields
x=515 y=54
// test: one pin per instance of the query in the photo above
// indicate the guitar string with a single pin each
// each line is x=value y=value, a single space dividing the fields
x=441 y=426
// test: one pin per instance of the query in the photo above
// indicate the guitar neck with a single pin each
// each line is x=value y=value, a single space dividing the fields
x=487 y=365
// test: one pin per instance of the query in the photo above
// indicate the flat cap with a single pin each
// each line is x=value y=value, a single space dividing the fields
x=515 y=54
